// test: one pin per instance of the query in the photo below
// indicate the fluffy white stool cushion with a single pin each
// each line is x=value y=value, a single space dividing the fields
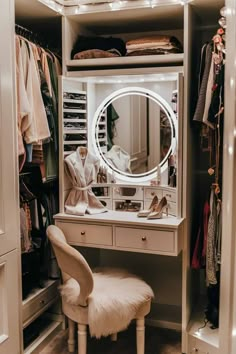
x=116 y=298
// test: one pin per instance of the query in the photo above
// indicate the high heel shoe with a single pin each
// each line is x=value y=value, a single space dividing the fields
x=146 y=212
x=158 y=210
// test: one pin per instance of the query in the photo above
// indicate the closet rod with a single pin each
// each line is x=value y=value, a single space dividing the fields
x=31 y=36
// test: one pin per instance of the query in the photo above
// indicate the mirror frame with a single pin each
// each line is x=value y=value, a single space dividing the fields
x=124 y=176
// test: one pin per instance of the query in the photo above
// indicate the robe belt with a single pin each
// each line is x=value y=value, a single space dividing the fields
x=82 y=188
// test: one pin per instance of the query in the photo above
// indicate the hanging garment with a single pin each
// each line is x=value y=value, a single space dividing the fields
x=199 y=253
x=199 y=112
x=23 y=107
x=82 y=173
x=211 y=262
x=209 y=93
x=119 y=158
x=112 y=116
x=38 y=128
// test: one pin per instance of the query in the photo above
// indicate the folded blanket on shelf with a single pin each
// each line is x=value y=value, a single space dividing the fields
x=95 y=53
x=157 y=51
x=154 y=42
x=111 y=44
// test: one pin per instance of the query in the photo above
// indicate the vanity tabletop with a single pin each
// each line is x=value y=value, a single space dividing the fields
x=124 y=218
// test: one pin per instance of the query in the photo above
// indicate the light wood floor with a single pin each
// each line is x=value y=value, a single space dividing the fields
x=158 y=341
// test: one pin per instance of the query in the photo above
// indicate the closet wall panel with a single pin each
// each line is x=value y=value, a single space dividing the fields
x=8 y=156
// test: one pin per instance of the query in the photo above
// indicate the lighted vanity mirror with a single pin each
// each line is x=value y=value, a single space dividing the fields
x=134 y=131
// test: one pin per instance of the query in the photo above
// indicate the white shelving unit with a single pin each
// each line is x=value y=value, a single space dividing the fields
x=34 y=307
x=74 y=120
x=193 y=24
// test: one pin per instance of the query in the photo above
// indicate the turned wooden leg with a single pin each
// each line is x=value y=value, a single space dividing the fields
x=140 y=335
x=71 y=336
x=82 y=339
x=114 y=337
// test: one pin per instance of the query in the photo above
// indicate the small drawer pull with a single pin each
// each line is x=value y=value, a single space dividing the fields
x=144 y=238
x=195 y=350
x=168 y=195
x=153 y=194
x=83 y=233
x=42 y=302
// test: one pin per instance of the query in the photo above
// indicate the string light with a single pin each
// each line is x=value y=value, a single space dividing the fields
x=80 y=6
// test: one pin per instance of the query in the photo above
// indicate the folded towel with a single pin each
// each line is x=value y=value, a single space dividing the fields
x=153 y=51
x=148 y=46
x=94 y=53
x=102 y=43
x=152 y=41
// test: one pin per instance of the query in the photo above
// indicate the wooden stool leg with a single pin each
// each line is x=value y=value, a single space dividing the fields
x=140 y=335
x=82 y=339
x=71 y=337
x=114 y=337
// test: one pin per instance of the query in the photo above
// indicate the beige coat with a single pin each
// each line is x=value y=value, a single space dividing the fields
x=82 y=173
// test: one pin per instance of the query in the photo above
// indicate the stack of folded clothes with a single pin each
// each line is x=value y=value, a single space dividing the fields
x=98 y=47
x=152 y=45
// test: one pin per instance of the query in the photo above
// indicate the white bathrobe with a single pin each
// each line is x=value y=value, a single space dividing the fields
x=82 y=173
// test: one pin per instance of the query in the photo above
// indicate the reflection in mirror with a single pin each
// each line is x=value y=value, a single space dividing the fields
x=134 y=133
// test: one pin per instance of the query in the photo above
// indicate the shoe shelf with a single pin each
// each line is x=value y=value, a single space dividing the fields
x=74 y=120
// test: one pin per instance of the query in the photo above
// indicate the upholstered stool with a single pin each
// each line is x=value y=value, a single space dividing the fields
x=106 y=300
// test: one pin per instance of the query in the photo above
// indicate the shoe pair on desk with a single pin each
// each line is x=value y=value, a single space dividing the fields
x=156 y=210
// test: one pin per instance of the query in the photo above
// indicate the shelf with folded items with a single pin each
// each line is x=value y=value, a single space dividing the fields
x=74 y=110
x=70 y=100
x=164 y=59
x=75 y=142
x=83 y=31
x=74 y=118
x=74 y=131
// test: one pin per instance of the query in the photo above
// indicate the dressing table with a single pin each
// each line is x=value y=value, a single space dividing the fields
x=123 y=231
x=145 y=120
x=149 y=131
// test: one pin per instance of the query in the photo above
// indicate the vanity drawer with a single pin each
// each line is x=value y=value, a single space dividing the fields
x=145 y=239
x=128 y=193
x=170 y=195
x=149 y=193
x=131 y=206
x=38 y=301
x=86 y=234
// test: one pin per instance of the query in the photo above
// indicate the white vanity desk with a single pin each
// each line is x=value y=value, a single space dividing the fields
x=123 y=231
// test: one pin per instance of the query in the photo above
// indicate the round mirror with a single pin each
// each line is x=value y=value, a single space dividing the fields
x=134 y=132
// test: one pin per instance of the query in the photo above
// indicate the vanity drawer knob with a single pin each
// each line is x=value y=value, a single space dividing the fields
x=195 y=350
x=42 y=302
x=168 y=195
x=153 y=194
x=83 y=233
x=144 y=238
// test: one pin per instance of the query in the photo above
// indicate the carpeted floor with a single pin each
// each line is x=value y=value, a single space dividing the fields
x=158 y=341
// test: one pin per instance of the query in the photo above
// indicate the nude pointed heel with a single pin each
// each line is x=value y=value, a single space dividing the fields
x=146 y=212
x=159 y=210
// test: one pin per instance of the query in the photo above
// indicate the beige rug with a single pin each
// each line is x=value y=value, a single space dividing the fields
x=158 y=341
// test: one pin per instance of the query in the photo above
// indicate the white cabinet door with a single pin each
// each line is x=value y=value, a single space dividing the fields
x=9 y=304
x=9 y=215
x=8 y=156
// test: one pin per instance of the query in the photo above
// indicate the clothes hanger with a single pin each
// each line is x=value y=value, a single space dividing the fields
x=83 y=152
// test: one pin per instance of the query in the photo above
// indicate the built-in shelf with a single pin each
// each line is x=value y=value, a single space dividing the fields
x=168 y=59
x=198 y=329
x=38 y=301
x=45 y=334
